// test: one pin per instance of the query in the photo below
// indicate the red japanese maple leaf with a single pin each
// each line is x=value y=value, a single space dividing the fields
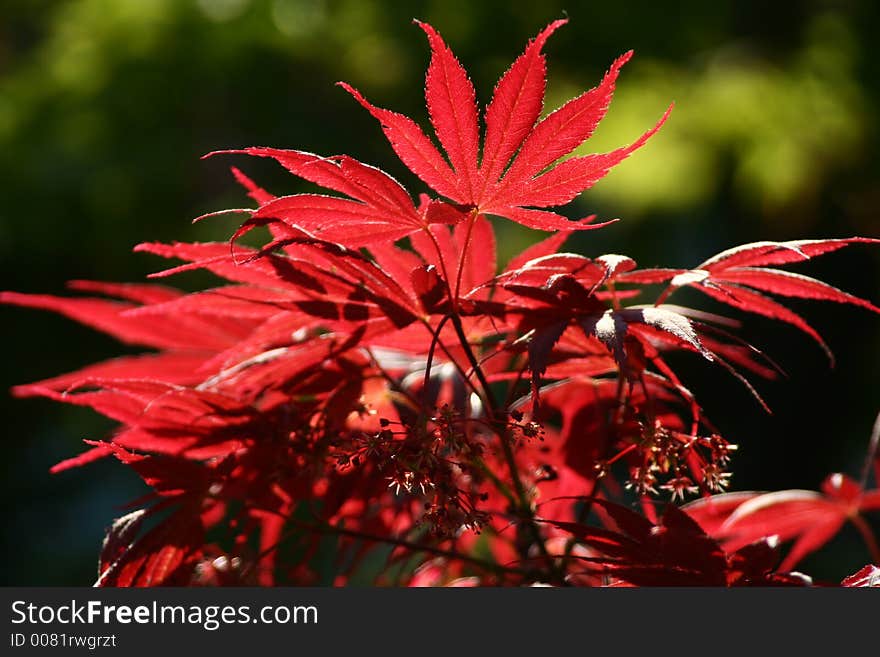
x=808 y=518
x=741 y=276
x=508 y=176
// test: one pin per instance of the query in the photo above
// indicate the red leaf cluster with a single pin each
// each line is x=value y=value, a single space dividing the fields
x=369 y=379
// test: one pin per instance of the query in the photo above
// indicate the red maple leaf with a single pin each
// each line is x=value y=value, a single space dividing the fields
x=808 y=518
x=508 y=176
x=741 y=276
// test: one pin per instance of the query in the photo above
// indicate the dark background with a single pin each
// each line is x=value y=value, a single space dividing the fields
x=107 y=105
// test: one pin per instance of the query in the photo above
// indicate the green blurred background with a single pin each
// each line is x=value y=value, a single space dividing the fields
x=107 y=105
